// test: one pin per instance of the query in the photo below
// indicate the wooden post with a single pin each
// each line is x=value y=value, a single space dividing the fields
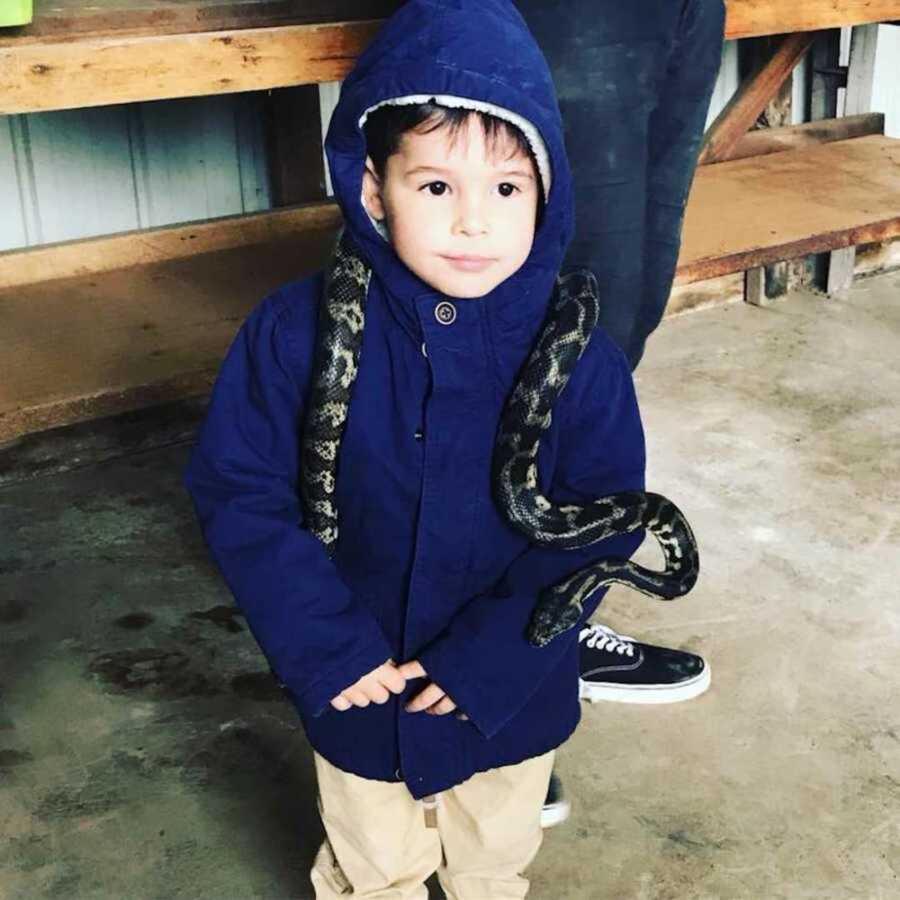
x=294 y=140
x=767 y=282
x=826 y=76
x=860 y=77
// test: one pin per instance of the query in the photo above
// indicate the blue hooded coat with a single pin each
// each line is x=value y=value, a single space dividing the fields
x=425 y=568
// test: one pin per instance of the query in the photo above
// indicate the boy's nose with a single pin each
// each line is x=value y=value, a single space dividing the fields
x=470 y=219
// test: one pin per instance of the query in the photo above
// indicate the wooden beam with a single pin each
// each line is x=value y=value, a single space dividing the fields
x=807 y=134
x=751 y=98
x=94 y=256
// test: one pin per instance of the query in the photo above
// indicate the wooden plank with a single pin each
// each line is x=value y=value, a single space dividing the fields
x=750 y=18
x=120 y=52
x=74 y=18
x=751 y=99
x=100 y=71
x=744 y=18
x=93 y=256
x=755 y=211
x=807 y=134
x=97 y=344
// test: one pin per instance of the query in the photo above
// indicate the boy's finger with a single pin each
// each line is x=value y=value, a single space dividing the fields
x=394 y=681
x=442 y=707
x=356 y=697
x=379 y=695
x=341 y=703
x=412 y=669
x=426 y=698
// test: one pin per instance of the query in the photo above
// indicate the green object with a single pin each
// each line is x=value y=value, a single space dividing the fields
x=15 y=12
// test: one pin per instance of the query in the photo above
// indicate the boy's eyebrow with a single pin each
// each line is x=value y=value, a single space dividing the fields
x=440 y=171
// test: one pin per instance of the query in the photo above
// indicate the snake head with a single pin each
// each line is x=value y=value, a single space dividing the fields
x=552 y=616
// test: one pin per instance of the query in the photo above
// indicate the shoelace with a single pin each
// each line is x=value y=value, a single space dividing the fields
x=602 y=638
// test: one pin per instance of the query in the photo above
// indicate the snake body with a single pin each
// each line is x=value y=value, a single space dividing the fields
x=571 y=319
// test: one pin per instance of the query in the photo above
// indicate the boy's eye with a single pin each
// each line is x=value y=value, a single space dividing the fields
x=443 y=184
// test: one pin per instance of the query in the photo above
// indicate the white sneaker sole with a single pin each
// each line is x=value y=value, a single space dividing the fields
x=555 y=815
x=595 y=692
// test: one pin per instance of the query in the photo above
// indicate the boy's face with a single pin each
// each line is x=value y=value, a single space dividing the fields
x=473 y=205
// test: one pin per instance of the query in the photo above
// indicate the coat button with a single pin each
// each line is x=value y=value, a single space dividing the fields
x=423 y=349
x=418 y=434
x=445 y=313
x=397 y=775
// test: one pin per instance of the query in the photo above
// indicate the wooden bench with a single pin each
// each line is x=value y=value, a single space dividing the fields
x=108 y=324
x=828 y=197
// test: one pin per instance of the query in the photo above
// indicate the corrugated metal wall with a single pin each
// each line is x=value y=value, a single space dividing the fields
x=71 y=174
x=66 y=175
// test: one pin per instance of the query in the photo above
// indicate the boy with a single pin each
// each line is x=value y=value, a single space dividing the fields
x=433 y=720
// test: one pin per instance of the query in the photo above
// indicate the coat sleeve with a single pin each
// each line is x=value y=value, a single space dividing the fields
x=242 y=477
x=482 y=659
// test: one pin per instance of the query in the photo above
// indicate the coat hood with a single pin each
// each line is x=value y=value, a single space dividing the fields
x=477 y=54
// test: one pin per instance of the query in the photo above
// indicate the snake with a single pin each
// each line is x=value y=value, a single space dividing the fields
x=572 y=316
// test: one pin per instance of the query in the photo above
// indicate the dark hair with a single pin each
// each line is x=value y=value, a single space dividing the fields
x=384 y=129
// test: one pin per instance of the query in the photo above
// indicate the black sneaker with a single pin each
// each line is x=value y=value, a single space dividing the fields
x=556 y=808
x=619 y=668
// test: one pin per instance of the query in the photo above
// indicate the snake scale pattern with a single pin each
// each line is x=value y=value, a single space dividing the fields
x=572 y=316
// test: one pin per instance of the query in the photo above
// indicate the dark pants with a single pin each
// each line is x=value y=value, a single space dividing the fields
x=634 y=82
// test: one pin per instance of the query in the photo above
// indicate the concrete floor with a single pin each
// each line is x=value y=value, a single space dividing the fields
x=145 y=753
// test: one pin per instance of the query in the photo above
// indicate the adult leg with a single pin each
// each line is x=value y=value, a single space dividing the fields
x=634 y=84
x=676 y=135
x=607 y=59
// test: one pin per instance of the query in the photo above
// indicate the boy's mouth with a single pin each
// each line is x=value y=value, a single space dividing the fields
x=470 y=263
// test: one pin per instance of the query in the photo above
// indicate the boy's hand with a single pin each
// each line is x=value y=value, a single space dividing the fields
x=375 y=687
x=434 y=700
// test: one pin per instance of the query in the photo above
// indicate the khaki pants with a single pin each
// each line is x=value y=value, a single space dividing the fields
x=381 y=844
